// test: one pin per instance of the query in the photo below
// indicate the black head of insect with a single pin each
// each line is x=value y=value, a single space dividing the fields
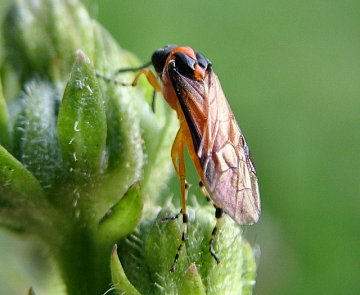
x=159 y=57
x=186 y=65
x=202 y=61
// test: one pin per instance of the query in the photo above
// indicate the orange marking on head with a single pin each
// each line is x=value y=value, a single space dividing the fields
x=199 y=72
x=184 y=49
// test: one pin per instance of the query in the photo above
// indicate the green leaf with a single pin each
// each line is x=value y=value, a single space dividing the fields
x=22 y=202
x=4 y=121
x=17 y=185
x=192 y=283
x=119 y=279
x=35 y=142
x=131 y=251
x=82 y=125
x=122 y=218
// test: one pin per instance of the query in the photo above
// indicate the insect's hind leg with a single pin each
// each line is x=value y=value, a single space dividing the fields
x=218 y=215
x=205 y=193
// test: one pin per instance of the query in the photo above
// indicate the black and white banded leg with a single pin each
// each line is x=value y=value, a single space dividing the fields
x=185 y=221
x=218 y=215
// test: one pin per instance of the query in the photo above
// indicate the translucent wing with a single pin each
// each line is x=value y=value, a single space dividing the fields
x=227 y=169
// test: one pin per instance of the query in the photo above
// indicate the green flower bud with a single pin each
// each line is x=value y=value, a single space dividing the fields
x=148 y=254
x=83 y=162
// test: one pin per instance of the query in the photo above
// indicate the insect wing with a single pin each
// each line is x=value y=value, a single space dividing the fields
x=227 y=169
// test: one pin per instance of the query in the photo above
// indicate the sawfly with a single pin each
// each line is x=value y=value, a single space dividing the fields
x=209 y=130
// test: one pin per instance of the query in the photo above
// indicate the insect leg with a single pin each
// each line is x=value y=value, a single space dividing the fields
x=150 y=76
x=153 y=100
x=175 y=160
x=205 y=193
x=173 y=217
x=133 y=69
x=142 y=70
x=175 y=151
x=111 y=80
x=177 y=154
x=218 y=215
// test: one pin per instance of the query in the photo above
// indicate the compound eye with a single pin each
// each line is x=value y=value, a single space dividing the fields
x=185 y=64
x=202 y=60
x=159 y=57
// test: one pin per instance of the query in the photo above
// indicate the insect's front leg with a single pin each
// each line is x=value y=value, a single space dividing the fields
x=142 y=70
x=150 y=76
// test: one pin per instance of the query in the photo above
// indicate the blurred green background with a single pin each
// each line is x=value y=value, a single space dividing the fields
x=291 y=73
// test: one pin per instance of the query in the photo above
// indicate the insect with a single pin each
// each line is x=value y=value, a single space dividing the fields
x=211 y=134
